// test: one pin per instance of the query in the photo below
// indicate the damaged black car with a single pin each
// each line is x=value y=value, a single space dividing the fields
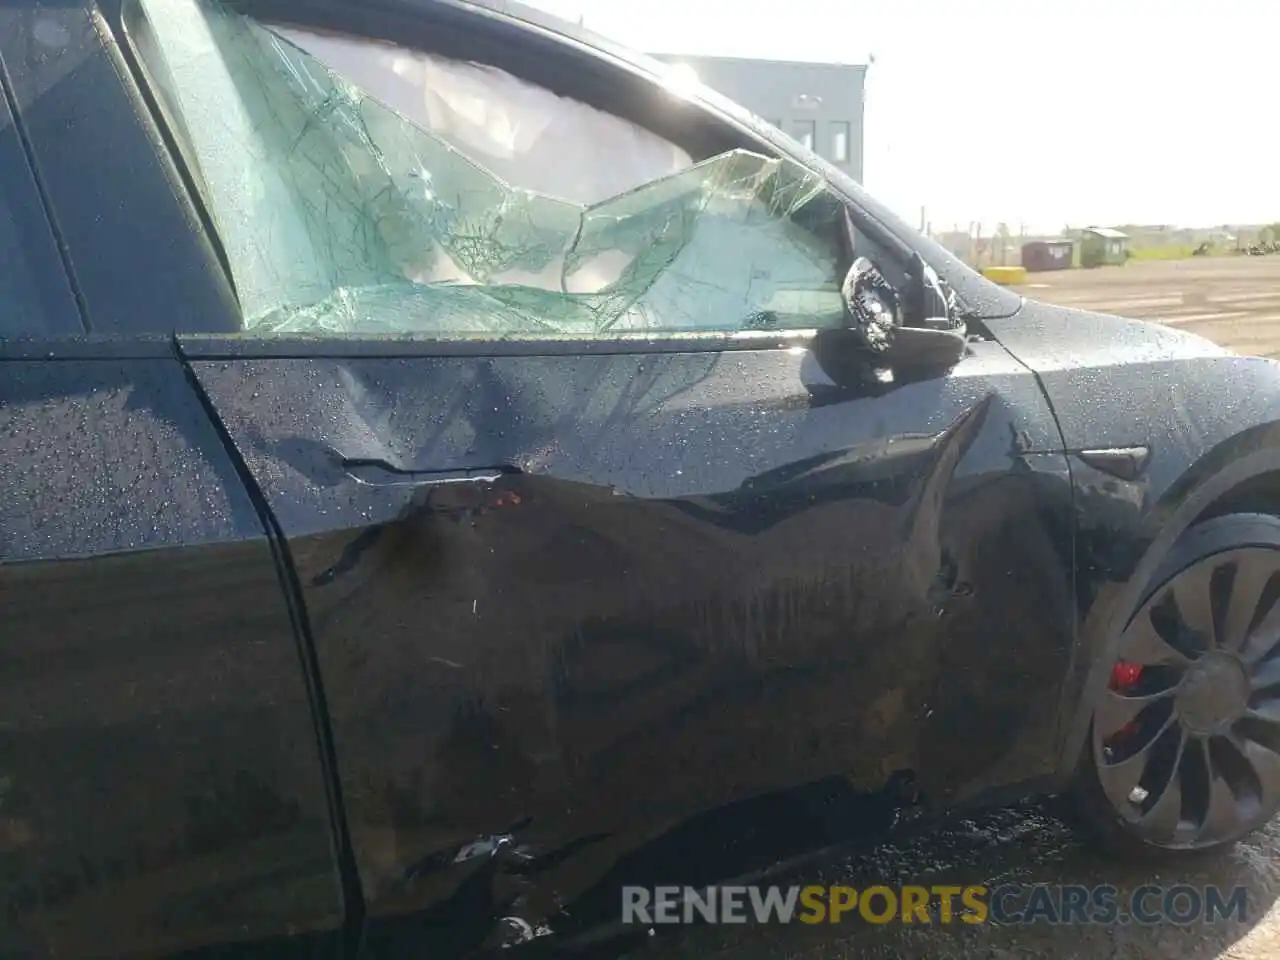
x=454 y=471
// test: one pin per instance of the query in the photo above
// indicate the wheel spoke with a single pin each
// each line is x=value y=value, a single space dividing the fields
x=1265 y=764
x=1142 y=643
x=1248 y=587
x=1191 y=592
x=1118 y=779
x=1262 y=638
x=1116 y=710
x=1162 y=819
x=1219 y=802
x=1266 y=712
x=1266 y=674
x=1221 y=818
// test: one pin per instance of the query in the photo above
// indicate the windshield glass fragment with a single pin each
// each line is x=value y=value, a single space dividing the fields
x=341 y=216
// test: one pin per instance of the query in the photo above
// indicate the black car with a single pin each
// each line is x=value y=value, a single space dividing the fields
x=397 y=558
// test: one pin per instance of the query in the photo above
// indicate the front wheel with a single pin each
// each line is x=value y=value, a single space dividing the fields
x=1183 y=754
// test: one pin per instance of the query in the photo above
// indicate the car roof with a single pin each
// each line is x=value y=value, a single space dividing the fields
x=580 y=36
x=549 y=21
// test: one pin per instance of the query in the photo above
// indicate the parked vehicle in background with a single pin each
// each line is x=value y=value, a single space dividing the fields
x=453 y=473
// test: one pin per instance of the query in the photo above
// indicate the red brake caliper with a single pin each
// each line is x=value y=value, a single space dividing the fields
x=1124 y=677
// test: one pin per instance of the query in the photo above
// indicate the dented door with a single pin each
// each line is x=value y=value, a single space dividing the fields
x=566 y=606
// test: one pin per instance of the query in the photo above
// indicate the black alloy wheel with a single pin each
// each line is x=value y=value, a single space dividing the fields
x=1185 y=744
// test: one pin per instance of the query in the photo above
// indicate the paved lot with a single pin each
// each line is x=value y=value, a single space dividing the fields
x=1234 y=301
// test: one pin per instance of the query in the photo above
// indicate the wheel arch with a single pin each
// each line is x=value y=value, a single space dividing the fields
x=1256 y=494
x=1239 y=475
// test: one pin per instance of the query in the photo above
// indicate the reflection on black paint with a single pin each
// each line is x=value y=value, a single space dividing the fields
x=688 y=611
x=159 y=783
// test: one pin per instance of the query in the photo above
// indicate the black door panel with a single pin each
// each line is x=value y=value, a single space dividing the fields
x=160 y=786
x=678 y=582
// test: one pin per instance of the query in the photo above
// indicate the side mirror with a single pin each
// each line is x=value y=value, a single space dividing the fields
x=921 y=351
x=876 y=327
x=934 y=302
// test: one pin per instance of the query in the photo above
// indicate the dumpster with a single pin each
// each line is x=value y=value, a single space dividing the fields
x=1041 y=255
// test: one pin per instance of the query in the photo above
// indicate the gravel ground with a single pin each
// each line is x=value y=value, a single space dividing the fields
x=1234 y=301
x=1026 y=845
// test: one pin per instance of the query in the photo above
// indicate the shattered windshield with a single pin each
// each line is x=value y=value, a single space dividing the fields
x=339 y=215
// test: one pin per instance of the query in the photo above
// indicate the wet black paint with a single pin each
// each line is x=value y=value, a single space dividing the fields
x=693 y=587
x=159 y=783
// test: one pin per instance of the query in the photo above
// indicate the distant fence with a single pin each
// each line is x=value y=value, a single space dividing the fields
x=983 y=251
x=1004 y=248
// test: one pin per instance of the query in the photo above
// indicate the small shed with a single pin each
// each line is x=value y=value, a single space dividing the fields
x=1041 y=255
x=1100 y=246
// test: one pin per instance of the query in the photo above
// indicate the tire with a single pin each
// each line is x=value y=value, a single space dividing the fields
x=1196 y=708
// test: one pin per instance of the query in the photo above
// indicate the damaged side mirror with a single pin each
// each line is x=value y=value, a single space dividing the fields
x=877 y=336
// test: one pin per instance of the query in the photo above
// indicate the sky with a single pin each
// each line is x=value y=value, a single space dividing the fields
x=1044 y=113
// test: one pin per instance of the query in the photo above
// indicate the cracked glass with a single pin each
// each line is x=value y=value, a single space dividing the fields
x=340 y=216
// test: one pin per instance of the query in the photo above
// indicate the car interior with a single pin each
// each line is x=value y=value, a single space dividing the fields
x=441 y=195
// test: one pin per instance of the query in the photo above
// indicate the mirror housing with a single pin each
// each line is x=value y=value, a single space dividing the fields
x=877 y=335
x=916 y=353
x=933 y=302
x=922 y=351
